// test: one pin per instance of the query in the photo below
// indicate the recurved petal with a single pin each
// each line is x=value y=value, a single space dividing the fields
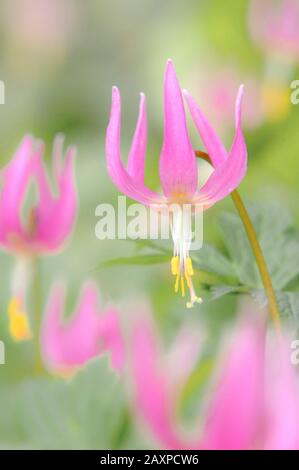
x=44 y=189
x=52 y=329
x=235 y=410
x=229 y=174
x=97 y=331
x=15 y=180
x=153 y=402
x=132 y=187
x=56 y=215
x=282 y=393
x=111 y=338
x=136 y=159
x=178 y=167
x=183 y=356
x=69 y=345
x=210 y=139
x=82 y=341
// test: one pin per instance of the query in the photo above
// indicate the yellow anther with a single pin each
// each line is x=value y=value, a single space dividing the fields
x=182 y=276
x=189 y=267
x=175 y=265
x=187 y=277
x=176 y=286
x=13 y=306
x=18 y=321
x=182 y=287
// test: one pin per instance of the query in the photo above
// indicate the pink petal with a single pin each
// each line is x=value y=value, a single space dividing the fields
x=44 y=189
x=153 y=401
x=229 y=174
x=111 y=338
x=81 y=341
x=69 y=345
x=136 y=160
x=282 y=399
x=235 y=410
x=211 y=141
x=52 y=331
x=178 y=167
x=183 y=356
x=133 y=188
x=15 y=181
x=56 y=215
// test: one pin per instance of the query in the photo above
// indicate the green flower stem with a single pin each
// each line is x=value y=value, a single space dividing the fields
x=36 y=316
x=256 y=249
x=259 y=257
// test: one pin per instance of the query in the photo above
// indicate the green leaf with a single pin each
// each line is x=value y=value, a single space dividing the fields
x=82 y=413
x=157 y=246
x=278 y=239
x=212 y=260
x=239 y=249
x=289 y=307
x=288 y=304
x=135 y=260
x=219 y=291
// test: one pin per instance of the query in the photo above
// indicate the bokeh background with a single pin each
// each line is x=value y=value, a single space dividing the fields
x=59 y=60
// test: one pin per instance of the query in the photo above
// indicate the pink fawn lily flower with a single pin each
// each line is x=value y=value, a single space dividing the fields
x=274 y=25
x=91 y=331
x=48 y=223
x=254 y=402
x=178 y=167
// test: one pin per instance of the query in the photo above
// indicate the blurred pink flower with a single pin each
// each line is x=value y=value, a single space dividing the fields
x=47 y=225
x=51 y=220
x=68 y=345
x=274 y=25
x=255 y=403
x=217 y=87
x=178 y=167
x=46 y=25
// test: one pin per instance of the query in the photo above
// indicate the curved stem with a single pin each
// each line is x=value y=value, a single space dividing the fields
x=259 y=257
x=256 y=248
